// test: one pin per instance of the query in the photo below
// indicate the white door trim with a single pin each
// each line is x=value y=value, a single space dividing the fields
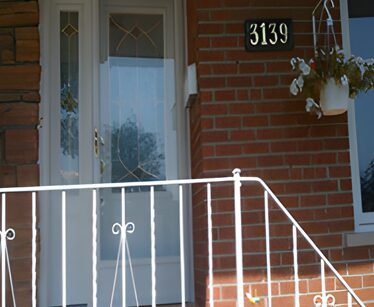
x=89 y=10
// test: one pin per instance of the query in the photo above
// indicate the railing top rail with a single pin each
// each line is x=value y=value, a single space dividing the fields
x=236 y=177
x=128 y=184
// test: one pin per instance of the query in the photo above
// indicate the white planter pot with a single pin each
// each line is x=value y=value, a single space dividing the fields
x=334 y=98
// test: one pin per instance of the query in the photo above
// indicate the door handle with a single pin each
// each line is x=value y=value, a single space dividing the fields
x=96 y=142
x=102 y=166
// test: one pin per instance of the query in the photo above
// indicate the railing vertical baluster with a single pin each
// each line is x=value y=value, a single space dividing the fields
x=63 y=251
x=238 y=240
x=3 y=250
x=181 y=242
x=153 y=246
x=123 y=246
x=323 y=284
x=94 y=248
x=33 y=249
x=296 y=266
x=267 y=233
x=349 y=300
x=210 y=244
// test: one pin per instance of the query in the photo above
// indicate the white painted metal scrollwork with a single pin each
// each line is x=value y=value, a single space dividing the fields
x=117 y=229
x=319 y=301
x=5 y=235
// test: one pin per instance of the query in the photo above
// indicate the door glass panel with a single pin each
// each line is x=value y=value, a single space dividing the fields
x=364 y=108
x=138 y=133
x=69 y=109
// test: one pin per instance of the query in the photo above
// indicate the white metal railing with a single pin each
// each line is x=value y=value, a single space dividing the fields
x=9 y=234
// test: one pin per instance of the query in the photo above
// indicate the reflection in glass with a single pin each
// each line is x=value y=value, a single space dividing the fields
x=69 y=111
x=364 y=110
x=137 y=112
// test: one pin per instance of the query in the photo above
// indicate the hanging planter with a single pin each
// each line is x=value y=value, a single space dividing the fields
x=334 y=98
x=329 y=79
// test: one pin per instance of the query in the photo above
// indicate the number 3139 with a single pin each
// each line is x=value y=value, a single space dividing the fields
x=268 y=34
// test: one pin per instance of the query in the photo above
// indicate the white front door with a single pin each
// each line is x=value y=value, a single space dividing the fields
x=114 y=114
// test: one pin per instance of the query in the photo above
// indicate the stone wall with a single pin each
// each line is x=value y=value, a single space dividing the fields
x=19 y=118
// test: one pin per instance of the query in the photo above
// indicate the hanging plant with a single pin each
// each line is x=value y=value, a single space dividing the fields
x=330 y=79
x=331 y=76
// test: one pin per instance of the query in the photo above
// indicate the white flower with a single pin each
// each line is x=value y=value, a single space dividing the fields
x=304 y=68
x=300 y=82
x=310 y=103
x=293 y=62
x=370 y=61
x=360 y=60
x=339 y=50
x=293 y=87
x=344 y=80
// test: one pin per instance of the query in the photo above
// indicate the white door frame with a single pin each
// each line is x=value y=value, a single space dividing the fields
x=89 y=61
x=364 y=221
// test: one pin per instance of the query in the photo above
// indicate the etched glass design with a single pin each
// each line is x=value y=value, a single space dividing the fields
x=69 y=93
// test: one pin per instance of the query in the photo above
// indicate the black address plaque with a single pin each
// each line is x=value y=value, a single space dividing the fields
x=268 y=34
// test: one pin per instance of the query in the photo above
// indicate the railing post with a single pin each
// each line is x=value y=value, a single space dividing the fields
x=34 y=234
x=181 y=246
x=3 y=251
x=323 y=284
x=238 y=239
x=210 y=244
x=153 y=246
x=349 y=304
x=94 y=248
x=63 y=246
x=123 y=246
x=295 y=266
x=267 y=233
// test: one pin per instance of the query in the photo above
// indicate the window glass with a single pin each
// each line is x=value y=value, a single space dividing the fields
x=360 y=28
x=69 y=108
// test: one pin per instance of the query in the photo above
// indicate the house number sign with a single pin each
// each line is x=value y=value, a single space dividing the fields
x=268 y=34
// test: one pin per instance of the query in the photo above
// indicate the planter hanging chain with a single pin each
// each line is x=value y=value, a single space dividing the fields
x=329 y=23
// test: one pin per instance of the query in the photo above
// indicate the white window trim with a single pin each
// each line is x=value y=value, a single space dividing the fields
x=364 y=222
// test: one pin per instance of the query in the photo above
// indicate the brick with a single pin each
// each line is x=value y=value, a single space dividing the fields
x=251 y=68
x=20 y=77
x=19 y=13
x=21 y=146
x=7 y=176
x=239 y=81
x=265 y=81
x=223 y=42
x=228 y=122
x=214 y=109
x=19 y=114
x=368 y=281
x=357 y=253
x=27 y=50
x=6 y=46
x=19 y=209
x=240 y=108
x=224 y=95
x=289 y=287
x=207 y=83
x=10 y=97
x=28 y=175
x=31 y=96
x=228 y=150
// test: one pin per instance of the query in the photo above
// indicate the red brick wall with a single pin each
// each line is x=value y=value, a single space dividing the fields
x=19 y=117
x=245 y=117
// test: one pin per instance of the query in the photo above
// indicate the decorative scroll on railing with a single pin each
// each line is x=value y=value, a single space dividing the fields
x=127 y=227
